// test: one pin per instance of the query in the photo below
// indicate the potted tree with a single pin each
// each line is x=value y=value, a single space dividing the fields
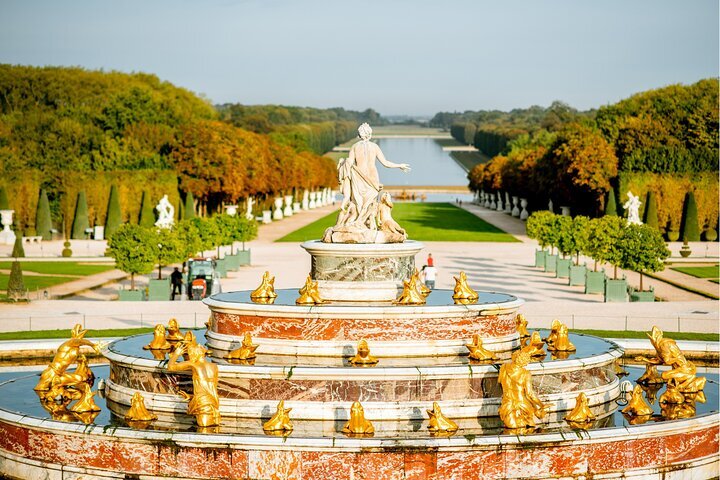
x=552 y=236
x=247 y=230
x=643 y=250
x=597 y=248
x=581 y=237
x=565 y=244
x=537 y=227
x=135 y=251
x=616 y=289
x=226 y=225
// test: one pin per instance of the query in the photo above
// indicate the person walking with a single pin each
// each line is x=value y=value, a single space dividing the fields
x=429 y=262
x=430 y=272
x=177 y=281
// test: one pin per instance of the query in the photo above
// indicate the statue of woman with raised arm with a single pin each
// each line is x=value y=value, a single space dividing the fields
x=361 y=188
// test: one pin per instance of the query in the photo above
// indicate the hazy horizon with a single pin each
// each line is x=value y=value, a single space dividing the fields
x=399 y=57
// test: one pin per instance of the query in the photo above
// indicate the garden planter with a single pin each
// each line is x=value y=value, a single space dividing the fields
x=595 y=282
x=221 y=267
x=616 y=290
x=673 y=235
x=540 y=258
x=647 y=296
x=562 y=269
x=243 y=256
x=130 y=295
x=232 y=262
x=159 y=290
x=551 y=263
x=577 y=274
x=685 y=250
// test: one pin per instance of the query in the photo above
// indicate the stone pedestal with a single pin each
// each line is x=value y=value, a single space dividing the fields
x=296 y=207
x=288 y=211
x=508 y=207
x=231 y=210
x=499 y=202
x=7 y=236
x=515 y=210
x=565 y=211
x=267 y=216
x=367 y=272
x=312 y=203
x=524 y=213
x=278 y=213
x=306 y=200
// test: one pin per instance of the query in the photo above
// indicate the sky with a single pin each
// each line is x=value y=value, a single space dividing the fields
x=411 y=57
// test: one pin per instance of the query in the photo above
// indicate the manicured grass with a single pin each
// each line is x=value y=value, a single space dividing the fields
x=47 y=334
x=706 y=337
x=60 y=268
x=469 y=159
x=33 y=283
x=700 y=272
x=435 y=222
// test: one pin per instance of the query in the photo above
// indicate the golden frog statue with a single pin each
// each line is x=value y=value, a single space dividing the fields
x=66 y=355
x=637 y=406
x=672 y=393
x=280 y=422
x=439 y=423
x=159 y=342
x=682 y=370
x=462 y=289
x=363 y=357
x=266 y=289
x=309 y=293
x=422 y=288
x=562 y=342
x=581 y=414
x=521 y=324
x=138 y=412
x=86 y=402
x=358 y=424
x=535 y=347
x=554 y=327
x=410 y=294
x=204 y=402
x=173 y=333
x=246 y=350
x=519 y=405
x=477 y=351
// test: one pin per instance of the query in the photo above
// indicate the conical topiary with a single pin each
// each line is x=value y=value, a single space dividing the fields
x=43 y=222
x=651 y=212
x=16 y=286
x=611 y=205
x=689 y=229
x=80 y=221
x=114 y=213
x=18 y=249
x=4 y=203
x=147 y=212
x=189 y=210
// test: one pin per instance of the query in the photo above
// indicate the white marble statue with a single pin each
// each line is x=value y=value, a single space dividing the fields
x=632 y=206
x=278 y=213
x=166 y=213
x=361 y=189
x=288 y=210
x=231 y=210
x=7 y=236
x=249 y=208
x=306 y=200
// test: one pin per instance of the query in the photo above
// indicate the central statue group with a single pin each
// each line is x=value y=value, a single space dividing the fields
x=366 y=210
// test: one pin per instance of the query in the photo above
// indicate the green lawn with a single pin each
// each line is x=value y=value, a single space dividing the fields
x=706 y=337
x=469 y=159
x=711 y=272
x=434 y=222
x=33 y=283
x=60 y=268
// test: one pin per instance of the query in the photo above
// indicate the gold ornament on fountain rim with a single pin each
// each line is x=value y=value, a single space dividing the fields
x=138 y=411
x=637 y=406
x=519 y=404
x=204 y=401
x=411 y=294
x=477 y=351
x=86 y=402
x=363 y=357
x=65 y=355
x=439 y=424
x=266 y=289
x=309 y=293
x=422 y=288
x=246 y=350
x=358 y=424
x=554 y=327
x=536 y=346
x=521 y=324
x=651 y=376
x=581 y=414
x=462 y=289
x=173 y=333
x=682 y=370
x=672 y=393
x=561 y=342
x=280 y=422
x=159 y=342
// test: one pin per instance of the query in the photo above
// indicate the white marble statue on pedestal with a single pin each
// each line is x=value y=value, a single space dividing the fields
x=277 y=213
x=7 y=236
x=312 y=200
x=249 y=208
x=288 y=211
x=306 y=200
x=166 y=213
x=499 y=202
x=632 y=207
x=515 y=210
x=231 y=210
x=365 y=209
x=524 y=214
x=508 y=207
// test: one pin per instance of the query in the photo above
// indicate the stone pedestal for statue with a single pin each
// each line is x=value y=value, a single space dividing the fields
x=288 y=211
x=312 y=203
x=7 y=236
x=277 y=213
x=565 y=211
x=231 y=210
x=550 y=206
x=524 y=213
x=492 y=205
x=267 y=216
x=499 y=202
x=306 y=200
x=296 y=207
x=515 y=210
x=508 y=207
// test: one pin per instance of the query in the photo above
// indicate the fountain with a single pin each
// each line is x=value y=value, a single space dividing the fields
x=344 y=379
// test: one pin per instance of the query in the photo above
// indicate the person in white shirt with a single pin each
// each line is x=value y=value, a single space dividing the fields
x=429 y=273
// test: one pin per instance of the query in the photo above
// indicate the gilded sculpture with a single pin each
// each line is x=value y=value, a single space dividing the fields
x=422 y=288
x=477 y=351
x=521 y=324
x=66 y=355
x=266 y=289
x=159 y=342
x=581 y=414
x=309 y=293
x=554 y=328
x=280 y=422
x=439 y=423
x=86 y=401
x=410 y=294
x=363 y=357
x=672 y=393
x=519 y=405
x=246 y=350
x=172 y=331
x=561 y=342
x=204 y=401
x=682 y=370
x=637 y=406
x=650 y=376
x=462 y=289
x=138 y=412
x=535 y=346
x=358 y=424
